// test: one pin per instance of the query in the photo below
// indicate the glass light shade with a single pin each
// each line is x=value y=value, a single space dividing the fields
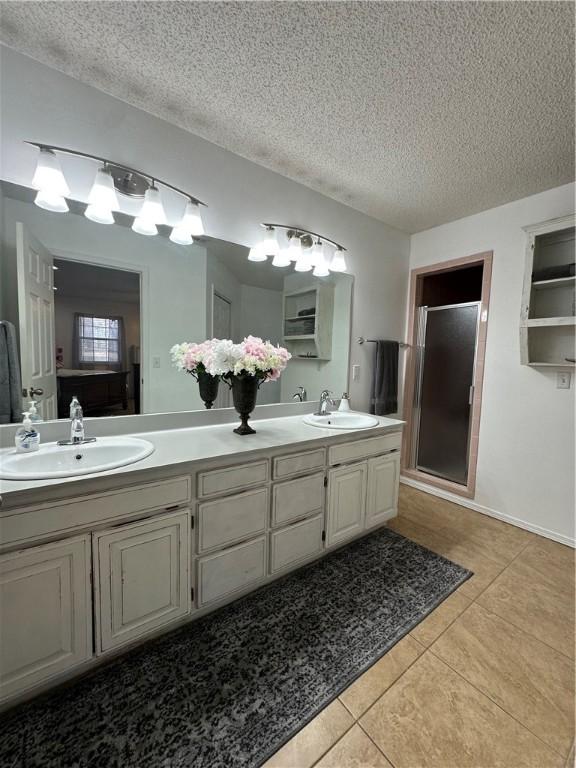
x=304 y=262
x=294 y=249
x=103 y=194
x=152 y=211
x=338 y=263
x=48 y=176
x=99 y=214
x=181 y=236
x=282 y=259
x=191 y=220
x=321 y=263
x=50 y=202
x=270 y=245
x=144 y=227
x=257 y=253
x=317 y=253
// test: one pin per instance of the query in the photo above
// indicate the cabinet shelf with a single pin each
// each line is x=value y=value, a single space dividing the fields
x=540 y=322
x=559 y=282
x=301 y=317
x=552 y=365
x=302 y=337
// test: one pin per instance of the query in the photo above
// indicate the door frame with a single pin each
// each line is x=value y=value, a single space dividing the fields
x=410 y=381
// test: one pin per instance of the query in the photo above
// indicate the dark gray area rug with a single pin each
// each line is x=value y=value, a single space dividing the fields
x=229 y=689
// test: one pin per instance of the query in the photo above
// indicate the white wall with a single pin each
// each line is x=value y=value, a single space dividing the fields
x=526 y=453
x=43 y=105
x=173 y=288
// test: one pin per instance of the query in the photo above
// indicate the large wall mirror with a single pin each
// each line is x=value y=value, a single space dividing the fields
x=97 y=308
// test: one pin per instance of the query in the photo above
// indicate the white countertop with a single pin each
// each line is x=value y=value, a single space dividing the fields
x=201 y=444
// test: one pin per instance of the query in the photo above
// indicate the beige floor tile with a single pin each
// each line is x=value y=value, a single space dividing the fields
x=432 y=718
x=529 y=680
x=418 y=533
x=372 y=684
x=314 y=740
x=551 y=560
x=354 y=750
x=535 y=603
x=486 y=535
x=433 y=625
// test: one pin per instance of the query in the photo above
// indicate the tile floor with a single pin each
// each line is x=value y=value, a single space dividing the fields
x=486 y=681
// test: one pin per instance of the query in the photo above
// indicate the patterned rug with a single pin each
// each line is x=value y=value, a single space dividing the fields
x=228 y=690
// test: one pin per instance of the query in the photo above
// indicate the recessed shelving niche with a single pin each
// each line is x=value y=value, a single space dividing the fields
x=308 y=319
x=548 y=316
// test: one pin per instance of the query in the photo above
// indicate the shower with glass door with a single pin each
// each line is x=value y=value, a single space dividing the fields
x=446 y=350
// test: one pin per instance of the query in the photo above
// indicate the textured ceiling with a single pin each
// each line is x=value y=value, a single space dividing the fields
x=416 y=113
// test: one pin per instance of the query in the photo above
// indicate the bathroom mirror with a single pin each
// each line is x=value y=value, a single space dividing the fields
x=120 y=301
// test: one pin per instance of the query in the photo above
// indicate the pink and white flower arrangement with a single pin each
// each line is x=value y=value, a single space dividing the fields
x=221 y=357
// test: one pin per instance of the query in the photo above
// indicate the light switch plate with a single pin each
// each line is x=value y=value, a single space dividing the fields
x=563 y=380
x=355 y=372
x=155 y=362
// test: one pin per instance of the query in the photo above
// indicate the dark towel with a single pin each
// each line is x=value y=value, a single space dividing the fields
x=384 y=393
x=10 y=382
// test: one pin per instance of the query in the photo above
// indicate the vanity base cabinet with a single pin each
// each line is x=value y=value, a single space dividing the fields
x=346 y=502
x=237 y=568
x=45 y=613
x=142 y=577
x=382 y=492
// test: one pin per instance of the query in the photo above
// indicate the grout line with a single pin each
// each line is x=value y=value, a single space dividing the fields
x=447 y=627
x=489 y=697
x=373 y=742
x=338 y=740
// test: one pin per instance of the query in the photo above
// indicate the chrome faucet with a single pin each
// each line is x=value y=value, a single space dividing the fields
x=301 y=395
x=325 y=401
x=77 y=436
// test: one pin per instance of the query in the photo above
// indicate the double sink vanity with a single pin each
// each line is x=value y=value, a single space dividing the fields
x=121 y=539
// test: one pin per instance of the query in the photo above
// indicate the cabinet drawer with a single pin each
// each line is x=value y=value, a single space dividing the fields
x=40 y=521
x=361 y=449
x=296 y=543
x=225 y=521
x=299 y=463
x=221 y=481
x=297 y=498
x=224 y=573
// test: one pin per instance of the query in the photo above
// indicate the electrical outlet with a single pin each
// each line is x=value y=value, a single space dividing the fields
x=355 y=372
x=155 y=362
x=563 y=380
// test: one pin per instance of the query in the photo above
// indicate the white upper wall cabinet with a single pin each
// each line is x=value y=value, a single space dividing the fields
x=548 y=314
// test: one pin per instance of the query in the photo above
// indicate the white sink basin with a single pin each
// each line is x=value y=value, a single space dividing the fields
x=341 y=420
x=52 y=460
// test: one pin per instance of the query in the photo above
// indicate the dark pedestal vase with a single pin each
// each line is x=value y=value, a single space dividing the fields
x=208 y=386
x=244 y=394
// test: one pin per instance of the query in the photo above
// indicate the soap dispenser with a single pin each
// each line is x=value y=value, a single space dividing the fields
x=34 y=415
x=27 y=437
x=344 y=402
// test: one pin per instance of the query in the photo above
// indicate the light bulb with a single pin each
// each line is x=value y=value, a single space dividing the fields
x=338 y=263
x=270 y=245
x=101 y=215
x=191 y=220
x=48 y=176
x=144 y=227
x=257 y=253
x=181 y=236
x=103 y=194
x=50 y=202
x=294 y=248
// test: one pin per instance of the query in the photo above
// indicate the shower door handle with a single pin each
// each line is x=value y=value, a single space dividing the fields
x=471 y=395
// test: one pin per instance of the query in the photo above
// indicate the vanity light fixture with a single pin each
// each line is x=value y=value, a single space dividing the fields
x=305 y=248
x=112 y=178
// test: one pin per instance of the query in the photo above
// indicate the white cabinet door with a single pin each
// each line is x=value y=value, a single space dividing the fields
x=45 y=613
x=224 y=573
x=346 y=502
x=142 y=577
x=382 y=497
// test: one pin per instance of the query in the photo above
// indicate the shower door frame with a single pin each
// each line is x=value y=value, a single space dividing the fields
x=417 y=276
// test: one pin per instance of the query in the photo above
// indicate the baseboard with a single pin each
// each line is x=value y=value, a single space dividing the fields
x=471 y=504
